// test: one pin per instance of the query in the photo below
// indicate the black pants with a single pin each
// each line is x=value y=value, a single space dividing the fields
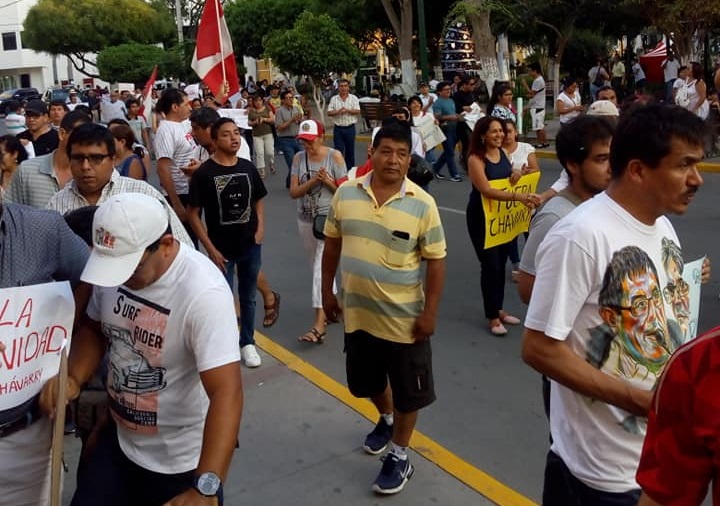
x=106 y=476
x=492 y=262
x=463 y=136
x=563 y=489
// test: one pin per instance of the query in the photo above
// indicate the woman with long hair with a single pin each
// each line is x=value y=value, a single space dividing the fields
x=128 y=158
x=12 y=154
x=487 y=161
x=261 y=119
x=314 y=177
x=500 y=104
x=697 y=92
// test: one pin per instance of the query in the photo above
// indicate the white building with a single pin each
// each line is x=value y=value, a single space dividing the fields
x=20 y=67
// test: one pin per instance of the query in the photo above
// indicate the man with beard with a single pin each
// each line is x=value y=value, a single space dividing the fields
x=597 y=409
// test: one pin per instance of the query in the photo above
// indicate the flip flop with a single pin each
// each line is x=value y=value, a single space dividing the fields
x=272 y=312
x=312 y=336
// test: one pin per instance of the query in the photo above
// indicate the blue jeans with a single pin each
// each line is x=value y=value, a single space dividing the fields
x=448 y=154
x=669 y=91
x=344 y=141
x=289 y=146
x=248 y=267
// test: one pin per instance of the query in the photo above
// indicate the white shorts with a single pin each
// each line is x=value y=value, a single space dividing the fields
x=537 y=117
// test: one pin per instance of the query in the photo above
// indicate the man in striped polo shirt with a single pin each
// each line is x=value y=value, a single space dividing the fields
x=379 y=229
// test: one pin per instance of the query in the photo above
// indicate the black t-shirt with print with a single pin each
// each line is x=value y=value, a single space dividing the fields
x=44 y=144
x=228 y=195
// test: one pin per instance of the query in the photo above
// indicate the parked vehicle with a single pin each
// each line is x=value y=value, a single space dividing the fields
x=57 y=93
x=20 y=94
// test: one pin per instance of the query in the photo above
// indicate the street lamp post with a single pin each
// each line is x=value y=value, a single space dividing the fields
x=422 y=40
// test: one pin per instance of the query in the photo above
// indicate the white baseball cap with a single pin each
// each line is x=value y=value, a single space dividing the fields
x=603 y=108
x=123 y=226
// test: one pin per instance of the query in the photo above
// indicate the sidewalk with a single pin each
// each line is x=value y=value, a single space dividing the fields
x=299 y=446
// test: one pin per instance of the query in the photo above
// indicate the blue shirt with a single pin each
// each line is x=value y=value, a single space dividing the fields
x=445 y=107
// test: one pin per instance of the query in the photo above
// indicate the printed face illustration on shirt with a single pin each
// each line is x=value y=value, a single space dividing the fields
x=634 y=340
x=676 y=290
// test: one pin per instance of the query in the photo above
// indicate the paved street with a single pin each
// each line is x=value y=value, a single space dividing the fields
x=301 y=446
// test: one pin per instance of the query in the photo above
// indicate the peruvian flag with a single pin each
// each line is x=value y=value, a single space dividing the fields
x=146 y=105
x=214 y=60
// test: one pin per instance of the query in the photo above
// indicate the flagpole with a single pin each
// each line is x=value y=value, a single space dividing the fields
x=220 y=36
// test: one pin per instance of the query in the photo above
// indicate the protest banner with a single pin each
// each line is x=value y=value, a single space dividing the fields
x=505 y=220
x=432 y=135
x=239 y=116
x=35 y=325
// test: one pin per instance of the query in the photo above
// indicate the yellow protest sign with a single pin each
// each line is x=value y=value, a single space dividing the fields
x=506 y=220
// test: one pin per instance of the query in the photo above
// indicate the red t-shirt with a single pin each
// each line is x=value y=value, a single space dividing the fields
x=681 y=453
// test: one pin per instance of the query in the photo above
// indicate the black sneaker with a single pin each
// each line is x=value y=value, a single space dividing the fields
x=439 y=177
x=456 y=179
x=394 y=475
x=378 y=439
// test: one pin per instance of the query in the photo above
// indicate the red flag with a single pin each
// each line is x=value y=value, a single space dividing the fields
x=214 y=60
x=146 y=104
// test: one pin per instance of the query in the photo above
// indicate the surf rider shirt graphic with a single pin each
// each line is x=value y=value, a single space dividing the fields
x=160 y=338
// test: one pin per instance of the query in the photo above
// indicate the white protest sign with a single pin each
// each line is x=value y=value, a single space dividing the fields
x=692 y=274
x=193 y=91
x=239 y=116
x=35 y=324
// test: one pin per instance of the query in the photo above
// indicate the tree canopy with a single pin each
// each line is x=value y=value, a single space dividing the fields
x=133 y=63
x=75 y=28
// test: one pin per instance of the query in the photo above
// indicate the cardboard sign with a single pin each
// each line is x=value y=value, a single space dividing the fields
x=506 y=220
x=35 y=325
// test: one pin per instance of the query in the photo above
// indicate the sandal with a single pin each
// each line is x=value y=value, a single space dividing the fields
x=272 y=169
x=498 y=330
x=312 y=336
x=272 y=312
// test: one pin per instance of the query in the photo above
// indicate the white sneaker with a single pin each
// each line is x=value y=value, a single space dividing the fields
x=250 y=356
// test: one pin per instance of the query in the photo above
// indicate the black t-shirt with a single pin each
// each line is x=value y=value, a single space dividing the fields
x=44 y=144
x=462 y=99
x=228 y=195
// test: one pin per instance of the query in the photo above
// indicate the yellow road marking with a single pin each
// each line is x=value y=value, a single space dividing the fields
x=473 y=477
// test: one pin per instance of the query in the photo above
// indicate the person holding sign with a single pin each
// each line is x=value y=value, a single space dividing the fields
x=488 y=161
x=174 y=377
x=37 y=247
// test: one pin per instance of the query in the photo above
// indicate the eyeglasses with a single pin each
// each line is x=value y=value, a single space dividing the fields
x=95 y=159
x=679 y=289
x=640 y=305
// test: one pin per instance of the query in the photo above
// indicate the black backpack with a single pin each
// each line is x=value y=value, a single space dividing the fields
x=420 y=171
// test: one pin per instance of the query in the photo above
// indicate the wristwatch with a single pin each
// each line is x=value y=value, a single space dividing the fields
x=209 y=485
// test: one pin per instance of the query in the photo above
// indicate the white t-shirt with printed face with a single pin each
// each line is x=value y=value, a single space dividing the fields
x=627 y=329
x=174 y=140
x=161 y=338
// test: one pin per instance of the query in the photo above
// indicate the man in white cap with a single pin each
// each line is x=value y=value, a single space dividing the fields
x=174 y=376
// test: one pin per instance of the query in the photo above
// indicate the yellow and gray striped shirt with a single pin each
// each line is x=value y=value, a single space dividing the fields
x=380 y=262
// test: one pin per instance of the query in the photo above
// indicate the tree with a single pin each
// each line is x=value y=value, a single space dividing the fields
x=400 y=14
x=250 y=21
x=133 y=63
x=78 y=27
x=314 y=47
x=477 y=14
x=687 y=20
